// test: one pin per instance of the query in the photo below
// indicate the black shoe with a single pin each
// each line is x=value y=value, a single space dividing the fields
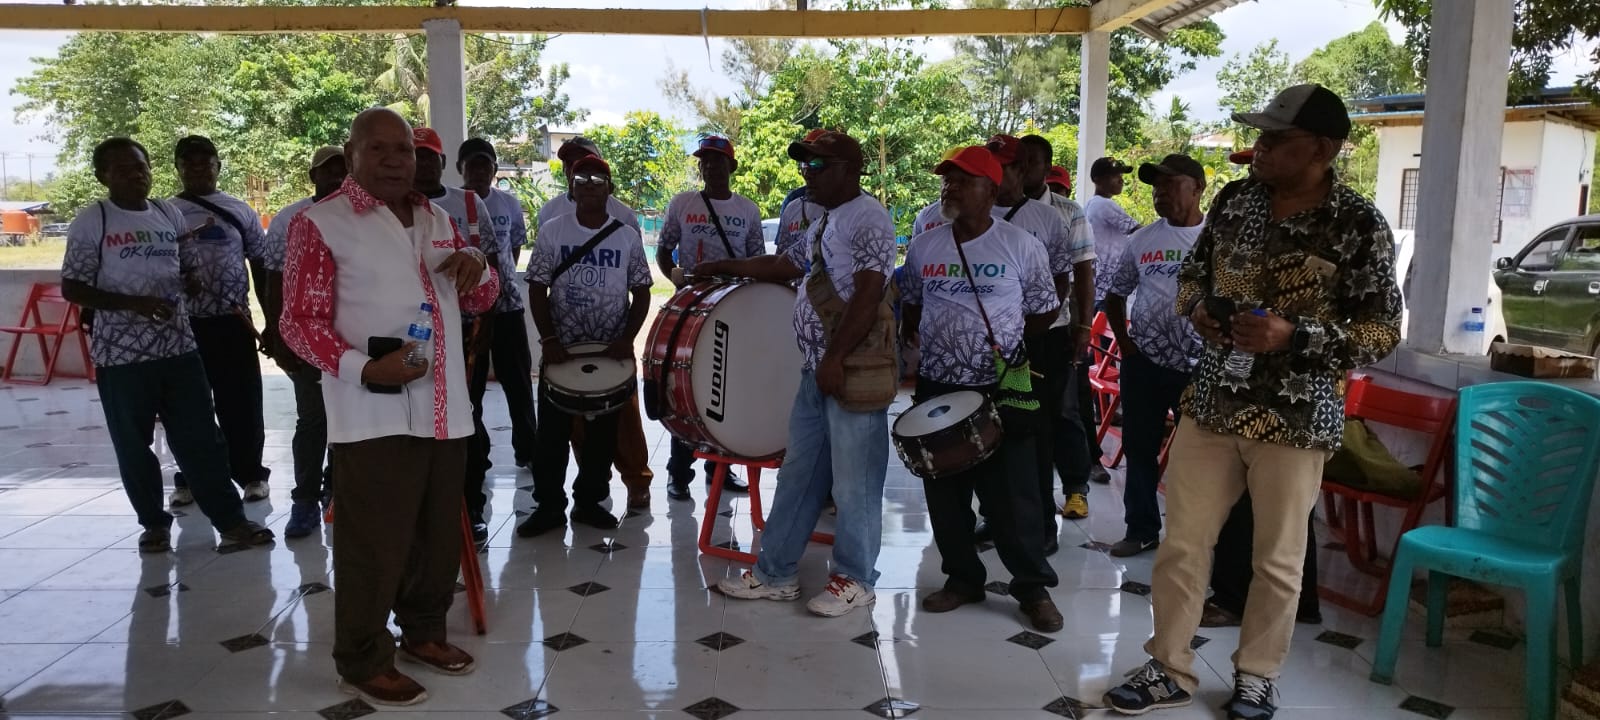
x=731 y=483
x=541 y=522
x=1148 y=688
x=982 y=533
x=595 y=516
x=1253 y=698
x=680 y=492
x=1098 y=474
x=480 y=533
x=1052 y=547
x=1129 y=547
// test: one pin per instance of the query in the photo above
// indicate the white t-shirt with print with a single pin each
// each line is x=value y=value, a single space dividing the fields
x=278 y=233
x=220 y=252
x=797 y=217
x=1111 y=226
x=688 y=229
x=856 y=236
x=1011 y=273
x=1036 y=218
x=132 y=253
x=1150 y=265
x=511 y=232
x=589 y=302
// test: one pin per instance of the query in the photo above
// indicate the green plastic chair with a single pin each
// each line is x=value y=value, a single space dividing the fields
x=1526 y=458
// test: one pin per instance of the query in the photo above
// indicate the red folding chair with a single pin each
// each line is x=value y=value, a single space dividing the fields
x=1348 y=510
x=1105 y=380
x=33 y=323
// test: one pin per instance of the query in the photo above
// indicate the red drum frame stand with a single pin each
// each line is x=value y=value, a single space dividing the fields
x=757 y=519
x=471 y=571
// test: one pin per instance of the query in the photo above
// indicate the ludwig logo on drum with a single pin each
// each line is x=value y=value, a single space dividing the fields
x=719 y=371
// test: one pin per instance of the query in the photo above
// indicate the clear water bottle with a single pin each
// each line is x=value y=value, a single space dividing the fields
x=1239 y=363
x=1473 y=326
x=421 y=333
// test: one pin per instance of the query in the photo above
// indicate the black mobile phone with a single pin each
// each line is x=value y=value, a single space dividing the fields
x=1221 y=309
x=377 y=347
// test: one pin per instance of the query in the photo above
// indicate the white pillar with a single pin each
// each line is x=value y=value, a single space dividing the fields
x=447 y=93
x=1096 y=68
x=1461 y=134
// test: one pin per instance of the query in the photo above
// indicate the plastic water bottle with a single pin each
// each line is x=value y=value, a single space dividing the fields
x=421 y=333
x=1239 y=363
x=1473 y=326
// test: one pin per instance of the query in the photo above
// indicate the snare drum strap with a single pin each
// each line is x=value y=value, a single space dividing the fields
x=578 y=254
x=712 y=211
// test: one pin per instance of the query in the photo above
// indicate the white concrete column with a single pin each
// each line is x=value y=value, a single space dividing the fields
x=447 y=90
x=1461 y=133
x=1096 y=68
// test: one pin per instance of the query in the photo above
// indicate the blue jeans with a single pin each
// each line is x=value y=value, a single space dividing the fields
x=830 y=450
x=175 y=388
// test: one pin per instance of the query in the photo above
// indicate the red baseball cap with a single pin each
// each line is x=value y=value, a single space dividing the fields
x=828 y=144
x=1243 y=157
x=975 y=160
x=591 y=162
x=1004 y=148
x=1058 y=176
x=426 y=138
x=715 y=144
x=814 y=134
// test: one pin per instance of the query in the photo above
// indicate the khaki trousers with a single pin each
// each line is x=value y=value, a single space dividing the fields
x=1207 y=475
x=633 y=453
x=396 y=545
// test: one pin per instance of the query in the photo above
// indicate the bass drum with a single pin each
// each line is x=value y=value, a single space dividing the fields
x=723 y=361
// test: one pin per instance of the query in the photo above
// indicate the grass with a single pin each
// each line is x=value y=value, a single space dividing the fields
x=45 y=255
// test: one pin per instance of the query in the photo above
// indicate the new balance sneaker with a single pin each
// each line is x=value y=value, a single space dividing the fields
x=304 y=518
x=1148 y=688
x=841 y=596
x=748 y=587
x=181 y=497
x=257 y=490
x=1254 y=698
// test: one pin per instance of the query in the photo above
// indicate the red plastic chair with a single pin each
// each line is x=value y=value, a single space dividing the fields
x=1349 y=511
x=1105 y=374
x=33 y=323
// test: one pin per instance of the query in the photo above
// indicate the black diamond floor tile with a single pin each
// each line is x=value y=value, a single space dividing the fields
x=230 y=548
x=1096 y=546
x=158 y=591
x=1494 y=639
x=32 y=446
x=1426 y=707
x=530 y=710
x=712 y=709
x=725 y=513
x=867 y=639
x=720 y=641
x=1339 y=639
x=1198 y=641
x=162 y=711
x=347 y=710
x=729 y=545
x=1068 y=707
x=588 y=588
x=608 y=547
x=244 y=642
x=1137 y=588
x=999 y=588
x=1030 y=639
x=563 y=641
x=312 y=588
x=893 y=708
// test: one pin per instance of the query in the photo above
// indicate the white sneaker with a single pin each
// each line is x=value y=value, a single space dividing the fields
x=747 y=587
x=257 y=490
x=181 y=496
x=841 y=596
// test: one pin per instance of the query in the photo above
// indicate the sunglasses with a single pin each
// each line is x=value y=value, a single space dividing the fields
x=816 y=165
x=591 y=179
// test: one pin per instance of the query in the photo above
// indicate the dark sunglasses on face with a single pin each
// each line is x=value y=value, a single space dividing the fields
x=591 y=179
x=816 y=165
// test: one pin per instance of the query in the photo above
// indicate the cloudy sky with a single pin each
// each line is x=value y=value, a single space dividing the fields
x=614 y=74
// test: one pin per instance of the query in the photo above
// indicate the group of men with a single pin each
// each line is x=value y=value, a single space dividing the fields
x=1289 y=276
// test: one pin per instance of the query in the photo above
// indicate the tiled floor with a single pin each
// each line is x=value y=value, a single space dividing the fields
x=88 y=626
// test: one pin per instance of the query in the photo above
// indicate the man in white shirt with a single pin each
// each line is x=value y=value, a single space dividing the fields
x=1160 y=348
x=220 y=313
x=359 y=265
x=588 y=282
x=830 y=448
x=126 y=259
x=310 y=441
x=705 y=226
x=1111 y=224
x=478 y=163
x=972 y=285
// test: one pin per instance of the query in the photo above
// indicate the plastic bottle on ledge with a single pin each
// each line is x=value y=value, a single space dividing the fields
x=1473 y=326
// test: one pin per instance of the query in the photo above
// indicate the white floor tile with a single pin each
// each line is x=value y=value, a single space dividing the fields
x=786 y=675
x=921 y=671
x=24 y=660
x=625 y=615
x=26 y=568
x=116 y=678
x=615 y=676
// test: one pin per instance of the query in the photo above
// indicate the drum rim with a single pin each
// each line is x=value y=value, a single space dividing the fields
x=906 y=415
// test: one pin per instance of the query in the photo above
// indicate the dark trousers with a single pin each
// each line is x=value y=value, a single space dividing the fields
x=1149 y=392
x=396 y=546
x=1230 y=570
x=478 y=446
x=513 y=366
x=1048 y=356
x=233 y=370
x=593 y=485
x=310 y=444
x=680 y=465
x=1072 y=429
x=1007 y=485
x=175 y=389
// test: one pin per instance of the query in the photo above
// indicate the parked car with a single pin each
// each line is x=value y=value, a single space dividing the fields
x=1552 y=288
x=1494 y=324
x=769 y=231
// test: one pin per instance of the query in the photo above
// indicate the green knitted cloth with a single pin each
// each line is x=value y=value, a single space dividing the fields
x=1016 y=385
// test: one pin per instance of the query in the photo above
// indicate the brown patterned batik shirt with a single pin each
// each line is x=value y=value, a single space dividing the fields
x=1330 y=271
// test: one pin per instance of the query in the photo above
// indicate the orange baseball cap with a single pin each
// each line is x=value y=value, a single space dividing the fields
x=426 y=138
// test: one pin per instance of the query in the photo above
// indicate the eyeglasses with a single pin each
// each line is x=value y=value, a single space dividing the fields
x=591 y=179
x=1274 y=138
x=816 y=165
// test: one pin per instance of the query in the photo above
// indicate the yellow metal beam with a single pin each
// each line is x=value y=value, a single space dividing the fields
x=714 y=23
x=1108 y=15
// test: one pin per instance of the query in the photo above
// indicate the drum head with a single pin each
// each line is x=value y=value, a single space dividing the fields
x=938 y=413
x=589 y=375
x=746 y=370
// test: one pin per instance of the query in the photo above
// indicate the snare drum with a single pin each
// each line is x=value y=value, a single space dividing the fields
x=590 y=383
x=947 y=434
x=722 y=358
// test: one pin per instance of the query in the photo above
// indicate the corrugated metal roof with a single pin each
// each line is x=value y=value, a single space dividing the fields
x=1179 y=14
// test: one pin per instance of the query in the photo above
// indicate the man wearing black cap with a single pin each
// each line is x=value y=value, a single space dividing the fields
x=1161 y=347
x=508 y=342
x=1291 y=287
x=850 y=250
x=230 y=231
x=1111 y=224
x=310 y=441
x=569 y=152
x=704 y=226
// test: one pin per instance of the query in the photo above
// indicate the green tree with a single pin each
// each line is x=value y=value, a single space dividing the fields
x=1249 y=81
x=1363 y=64
x=1543 y=29
x=648 y=161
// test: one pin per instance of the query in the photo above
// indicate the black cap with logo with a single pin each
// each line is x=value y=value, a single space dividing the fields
x=1174 y=165
x=1108 y=166
x=1312 y=108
